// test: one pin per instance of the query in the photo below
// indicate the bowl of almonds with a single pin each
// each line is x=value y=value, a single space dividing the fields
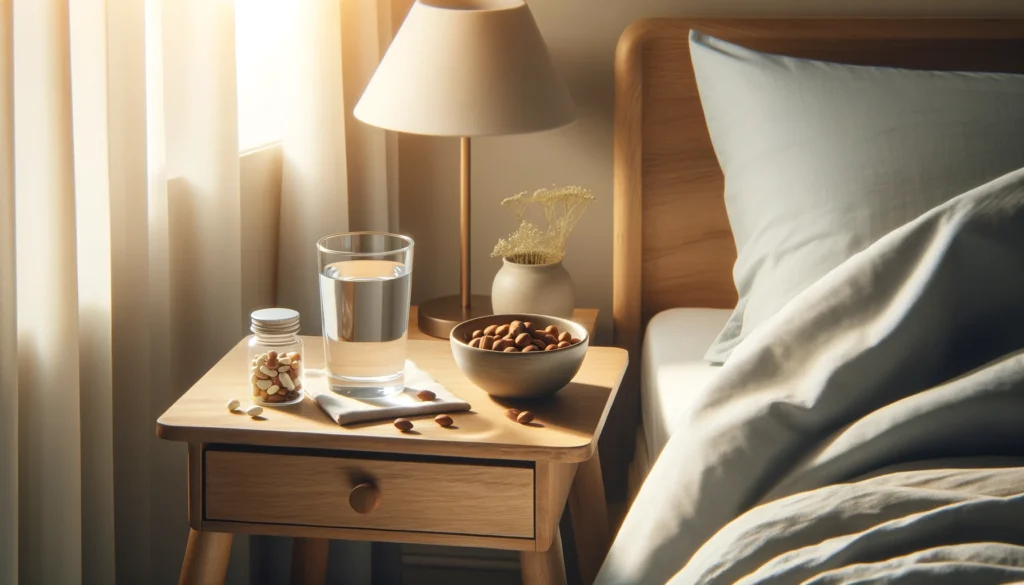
x=518 y=355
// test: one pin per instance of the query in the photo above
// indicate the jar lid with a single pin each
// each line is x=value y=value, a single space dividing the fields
x=275 y=321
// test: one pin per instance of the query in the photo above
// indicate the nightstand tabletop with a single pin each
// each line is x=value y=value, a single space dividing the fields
x=565 y=429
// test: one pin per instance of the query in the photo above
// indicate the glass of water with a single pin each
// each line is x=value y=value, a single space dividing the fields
x=365 y=282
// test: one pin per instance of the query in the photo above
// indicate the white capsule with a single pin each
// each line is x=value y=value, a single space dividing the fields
x=234 y=404
x=284 y=368
x=286 y=380
x=273 y=390
x=264 y=384
x=285 y=361
x=267 y=371
x=254 y=410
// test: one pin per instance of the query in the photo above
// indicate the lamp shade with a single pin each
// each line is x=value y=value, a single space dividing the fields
x=466 y=68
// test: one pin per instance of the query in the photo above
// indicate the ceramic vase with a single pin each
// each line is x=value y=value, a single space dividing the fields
x=540 y=289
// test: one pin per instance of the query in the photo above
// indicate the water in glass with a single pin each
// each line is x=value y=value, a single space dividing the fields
x=365 y=307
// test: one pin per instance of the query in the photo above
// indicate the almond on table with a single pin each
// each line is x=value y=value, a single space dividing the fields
x=524 y=417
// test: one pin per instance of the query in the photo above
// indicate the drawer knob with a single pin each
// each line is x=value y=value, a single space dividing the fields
x=364 y=498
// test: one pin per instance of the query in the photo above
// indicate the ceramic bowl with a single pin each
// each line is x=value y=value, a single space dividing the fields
x=519 y=375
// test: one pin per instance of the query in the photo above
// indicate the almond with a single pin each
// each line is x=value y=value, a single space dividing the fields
x=511 y=349
x=523 y=340
x=478 y=333
x=502 y=330
x=490 y=329
x=574 y=340
x=403 y=424
x=426 y=395
x=516 y=328
x=512 y=413
x=444 y=420
x=529 y=348
x=486 y=342
x=499 y=345
x=551 y=330
x=563 y=344
x=475 y=342
x=524 y=417
x=564 y=336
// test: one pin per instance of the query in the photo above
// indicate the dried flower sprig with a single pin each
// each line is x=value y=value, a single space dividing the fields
x=529 y=244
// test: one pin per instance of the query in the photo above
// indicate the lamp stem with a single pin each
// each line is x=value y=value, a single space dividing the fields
x=464 y=225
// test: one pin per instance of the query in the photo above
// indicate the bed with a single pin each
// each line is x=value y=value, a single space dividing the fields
x=673 y=244
x=672 y=372
x=674 y=250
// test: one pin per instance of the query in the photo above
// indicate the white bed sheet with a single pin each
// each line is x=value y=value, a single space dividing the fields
x=673 y=370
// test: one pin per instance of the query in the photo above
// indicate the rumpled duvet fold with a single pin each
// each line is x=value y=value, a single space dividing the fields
x=909 y=353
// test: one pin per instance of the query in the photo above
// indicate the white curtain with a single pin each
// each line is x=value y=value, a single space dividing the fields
x=135 y=238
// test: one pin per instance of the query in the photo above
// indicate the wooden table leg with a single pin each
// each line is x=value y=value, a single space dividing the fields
x=206 y=558
x=589 y=513
x=309 y=561
x=544 y=568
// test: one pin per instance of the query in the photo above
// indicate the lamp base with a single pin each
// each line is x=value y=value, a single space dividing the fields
x=439 y=316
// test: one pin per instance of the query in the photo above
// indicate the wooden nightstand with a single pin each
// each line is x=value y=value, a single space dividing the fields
x=486 y=482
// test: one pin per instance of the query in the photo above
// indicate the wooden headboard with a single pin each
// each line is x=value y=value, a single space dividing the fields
x=672 y=242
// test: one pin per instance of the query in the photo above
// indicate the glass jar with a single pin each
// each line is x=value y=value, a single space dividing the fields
x=275 y=357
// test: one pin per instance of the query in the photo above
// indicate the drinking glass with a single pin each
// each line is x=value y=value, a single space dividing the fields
x=365 y=282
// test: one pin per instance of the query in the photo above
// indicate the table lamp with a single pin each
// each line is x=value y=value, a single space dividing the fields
x=465 y=68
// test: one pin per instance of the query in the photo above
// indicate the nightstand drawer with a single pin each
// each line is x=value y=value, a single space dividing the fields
x=420 y=496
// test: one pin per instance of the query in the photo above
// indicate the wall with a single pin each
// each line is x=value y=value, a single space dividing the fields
x=581 y=35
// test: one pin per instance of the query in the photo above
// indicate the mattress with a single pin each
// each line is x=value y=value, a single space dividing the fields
x=673 y=370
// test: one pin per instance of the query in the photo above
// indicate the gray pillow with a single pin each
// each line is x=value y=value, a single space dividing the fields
x=822 y=159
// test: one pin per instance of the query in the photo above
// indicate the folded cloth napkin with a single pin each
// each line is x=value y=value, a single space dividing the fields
x=346 y=410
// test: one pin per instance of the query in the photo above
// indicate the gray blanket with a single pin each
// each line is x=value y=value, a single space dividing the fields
x=909 y=354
